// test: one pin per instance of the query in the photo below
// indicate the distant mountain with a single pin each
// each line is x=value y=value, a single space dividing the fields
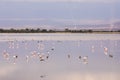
x=115 y=26
x=58 y=24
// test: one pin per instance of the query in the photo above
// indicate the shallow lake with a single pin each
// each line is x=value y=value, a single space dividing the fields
x=59 y=56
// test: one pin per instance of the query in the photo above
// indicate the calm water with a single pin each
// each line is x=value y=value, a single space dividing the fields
x=59 y=56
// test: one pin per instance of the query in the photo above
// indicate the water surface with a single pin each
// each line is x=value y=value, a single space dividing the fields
x=59 y=56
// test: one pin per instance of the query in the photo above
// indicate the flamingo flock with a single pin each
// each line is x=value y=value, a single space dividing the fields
x=44 y=56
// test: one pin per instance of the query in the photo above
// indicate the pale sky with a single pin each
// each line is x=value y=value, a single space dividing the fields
x=108 y=1
x=60 y=12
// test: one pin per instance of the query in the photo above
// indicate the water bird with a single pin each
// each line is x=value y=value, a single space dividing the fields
x=110 y=55
x=79 y=57
x=52 y=49
x=27 y=58
x=105 y=50
x=41 y=46
x=48 y=52
x=85 y=59
x=6 y=54
x=59 y=41
x=43 y=76
x=47 y=56
x=33 y=54
x=93 y=49
x=15 y=58
x=41 y=57
x=68 y=56
x=11 y=44
x=17 y=45
x=25 y=44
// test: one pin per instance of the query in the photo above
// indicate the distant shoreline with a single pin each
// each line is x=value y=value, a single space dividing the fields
x=57 y=31
x=64 y=32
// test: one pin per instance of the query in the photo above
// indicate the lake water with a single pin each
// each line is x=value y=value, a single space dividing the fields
x=59 y=56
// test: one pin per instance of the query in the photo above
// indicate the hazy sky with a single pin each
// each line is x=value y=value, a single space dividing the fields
x=60 y=12
x=108 y=1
